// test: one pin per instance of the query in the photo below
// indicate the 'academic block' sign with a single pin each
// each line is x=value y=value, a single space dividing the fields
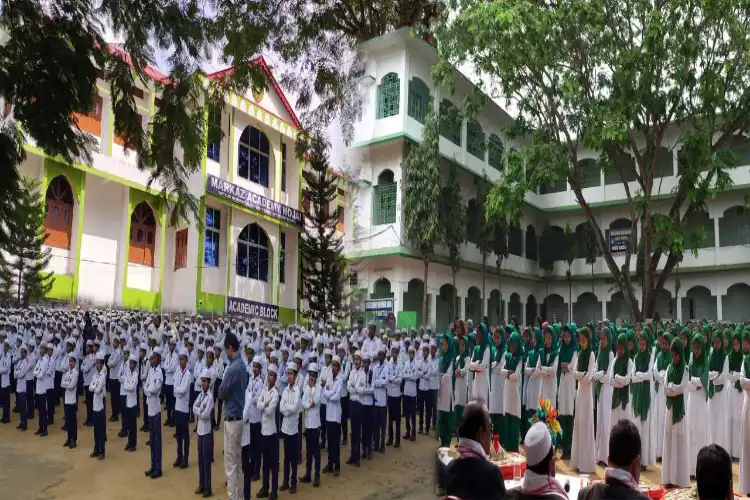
x=251 y=309
x=238 y=194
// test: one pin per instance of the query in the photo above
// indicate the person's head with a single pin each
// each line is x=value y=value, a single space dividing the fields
x=183 y=357
x=231 y=345
x=540 y=453
x=625 y=448
x=547 y=338
x=475 y=424
x=72 y=362
x=713 y=473
x=335 y=366
x=583 y=339
x=291 y=373
x=271 y=376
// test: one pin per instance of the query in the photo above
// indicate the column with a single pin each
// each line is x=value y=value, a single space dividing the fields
x=716 y=232
x=122 y=256
x=431 y=319
x=604 y=308
x=398 y=296
x=522 y=318
x=507 y=309
x=679 y=308
x=719 y=311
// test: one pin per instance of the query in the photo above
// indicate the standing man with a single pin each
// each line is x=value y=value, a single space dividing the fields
x=114 y=362
x=152 y=389
x=5 y=375
x=130 y=414
x=393 y=389
x=170 y=368
x=357 y=379
x=21 y=369
x=69 y=383
x=232 y=391
x=41 y=389
x=182 y=382
x=98 y=388
x=380 y=382
x=311 y=406
x=268 y=401
x=290 y=407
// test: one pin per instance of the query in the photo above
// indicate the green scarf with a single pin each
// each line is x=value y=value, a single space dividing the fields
x=630 y=337
x=642 y=391
x=532 y=355
x=602 y=356
x=674 y=376
x=584 y=354
x=663 y=358
x=549 y=354
x=621 y=395
x=716 y=363
x=746 y=357
x=566 y=351
x=735 y=357
x=698 y=366
x=512 y=358
x=483 y=342
x=448 y=354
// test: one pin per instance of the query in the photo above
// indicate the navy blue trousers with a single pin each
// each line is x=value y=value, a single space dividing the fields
x=312 y=450
x=205 y=452
x=291 y=458
x=154 y=435
x=182 y=422
x=100 y=430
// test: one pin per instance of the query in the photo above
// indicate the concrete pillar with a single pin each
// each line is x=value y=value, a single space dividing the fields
x=522 y=318
x=679 y=308
x=431 y=318
x=507 y=309
x=716 y=231
x=604 y=308
x=719 y=311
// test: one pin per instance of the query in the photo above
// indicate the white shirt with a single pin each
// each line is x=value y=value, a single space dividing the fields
x=393 y=377
x=268 y=413
x=425 y=369
x=202 y=407
x=88 y=367
x=332 y=395
x=290 y=407
x=98 y=387
x=170 y=364
x=69 y=382
x=311 y=404
x=434 y=382
x=130 y=385
x=356 y=380
x=152 y=390
x=379 y=383
x=115 y=359
x=4 y=369
x=371 y=346
x=21 y=369
x=39 y=372
x=182 y=380
x=410 y=374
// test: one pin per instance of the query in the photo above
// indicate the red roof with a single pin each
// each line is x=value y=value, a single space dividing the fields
x=262 y=62
x=149 y=70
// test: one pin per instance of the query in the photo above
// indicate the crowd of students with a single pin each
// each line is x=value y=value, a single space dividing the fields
x=331 y=387
x=684 y=386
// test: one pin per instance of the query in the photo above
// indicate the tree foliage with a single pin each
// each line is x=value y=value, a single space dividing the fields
x=323 y=263
x=24 y=259
x=616 y=77
x=421 y=194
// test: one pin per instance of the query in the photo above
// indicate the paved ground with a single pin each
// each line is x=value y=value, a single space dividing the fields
x=34 y=468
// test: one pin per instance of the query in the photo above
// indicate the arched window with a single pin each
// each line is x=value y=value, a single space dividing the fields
x=142 y=235
x=384 y=199
x=475 y=139
x=58 y=215
x=253 y=250
x=419 y=99
x=389 y=93
x=495 y=156
x=450 y=122
x=255 y=156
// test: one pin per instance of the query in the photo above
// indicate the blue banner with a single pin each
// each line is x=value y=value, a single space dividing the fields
x=251 y=309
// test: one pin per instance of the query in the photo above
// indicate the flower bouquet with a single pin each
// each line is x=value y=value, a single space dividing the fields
x=548 y=415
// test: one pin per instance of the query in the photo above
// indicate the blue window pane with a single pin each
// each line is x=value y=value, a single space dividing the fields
x=213 y=218
x=254 y=167
x=243 y=162
x=245 y=136
x=242 y=260
x=254 y=138
x=264 y=146
x=214 y=151
x=263 y=170
x=253 y=262
x=282 y=259
x=262 y=239
x=283 y=167
x=209 y=217
x=263 y=264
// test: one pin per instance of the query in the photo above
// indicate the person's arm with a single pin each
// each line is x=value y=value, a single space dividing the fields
x=588 y=377
x=284 y=406
x=682 y=386
x=158 y=381
x=207 y=409
x=552 y=369
x=745 y=379
x=182 y=388
x=334 y=394
x=517 y=373
x=273 y=402
x=722 y=376
x=73 y=380
x=131 y=383
x=229 y=379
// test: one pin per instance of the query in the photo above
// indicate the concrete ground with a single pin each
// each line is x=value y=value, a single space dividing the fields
x=34 y=468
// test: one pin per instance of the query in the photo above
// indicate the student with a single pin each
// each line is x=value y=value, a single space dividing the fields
x=269 y=441
x=251 y=416
x=433 y=383
x=532 y=380
x=124 y=369
x=744 y=468
x=512 y=371
x=88 y=369
x=356 y=380
x=290 y=407
x=566 y=391
x=547 y=368
x=480 y=364
x=41 y=388
x=735 y=392
x=21 y=370
x=69 y=383
x=393 y=391
x=113 y=364
x=332 y=393
x=697 y=407
x=583 y=448
x=218 y=378
x=98 y=387
x=620 y=372
x=202 y=409
x=425 y=368
x=460 y=380
x=181 y=390
x=661 y=364
x=446 y=426
x=380 y=397
x=497 y=384
x=5 y=378
x=641 y=389
x=675 y=457
x=718 y=390
x=410 y=376
x=311 y=405
x=366 y=391
x=143 y=375
x=130 y=415
x=152 y=389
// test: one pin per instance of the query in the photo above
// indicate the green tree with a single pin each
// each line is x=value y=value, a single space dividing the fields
x=571 y=249
x=23 y=276
x=453 y=224
x=617 y=77
x=500 y=249
x=421 y=193
x=546 y=259
x=590 y=250
x=323 y=262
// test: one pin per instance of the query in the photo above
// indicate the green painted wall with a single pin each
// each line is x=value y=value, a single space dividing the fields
x=62 y=287
x=141 y=299
x=212 y=303
x=287 y=316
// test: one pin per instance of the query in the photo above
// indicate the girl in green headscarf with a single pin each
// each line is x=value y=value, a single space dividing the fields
x=735 y=390
x=547 y=367
x=533 y=386
x=663 y=358
x=583 y=449
x=512 y=372
x=497 y=384
x=641 y=389
x=632 y=341
x=480 y=365
x=718 y=403
x=603 y=387
x=622 y=371
x=446 y=363
x=744 y=436
x=676 y=459
x=697 y=410
x=566 y=390
x=460 y=381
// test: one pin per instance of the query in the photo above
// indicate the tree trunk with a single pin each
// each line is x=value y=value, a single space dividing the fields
x=20 y=278
x=425 y=319
x=592 y=280
x=570 y=299
x=452 y=308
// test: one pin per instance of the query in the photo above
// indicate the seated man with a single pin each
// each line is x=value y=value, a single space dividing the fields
x=624 y=467
x=470 y=476
x=713 y=473
x=539 y=482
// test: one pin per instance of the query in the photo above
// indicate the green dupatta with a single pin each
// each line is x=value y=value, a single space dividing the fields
x=716 y=364
x=674 y=376
x=532 y=354
x=642 y=391
x=735 y=358
x=512 y=359
x=697 y=367
x=621 y=395
x=663 y=358
x=583 y=354
x=602 y=356
x=548 y=354
x=566 y=351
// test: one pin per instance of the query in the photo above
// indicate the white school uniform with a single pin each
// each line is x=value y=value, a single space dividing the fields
x=621 y=381
x=718 y=407
x=697 y=417
x=604 y=410
x=480 y=388
x=675 y=457
x=583 y=451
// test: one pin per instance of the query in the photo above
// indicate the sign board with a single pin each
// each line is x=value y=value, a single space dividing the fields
x=251 y=309
x=381 y=308
x=619 y=239
x=225 y=189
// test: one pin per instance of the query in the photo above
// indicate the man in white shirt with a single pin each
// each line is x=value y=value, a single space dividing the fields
x=202 y=409
x=332 y=395
x=69 y=383
x=130 y=384
x=267 y=403
x=353 y=385
x=5 y=376
x=380 y=383
x=410 y=375
x=152 y=389
x=311 y=405
x=393 y=391
x=21 y=369
x=113 y=364
x=41 y=389
x=423 y=390
x=366 y=399
x=182 y=382
x=88 y=370
x=252 y=460
x=372 y=343
x=169 y=364
x=290 y=407
x=98 y=388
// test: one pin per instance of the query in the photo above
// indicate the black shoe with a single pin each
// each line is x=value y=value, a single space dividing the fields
x=100 y=456
x=293 y=489
x=43 y=434
x=336 y=473
x=149 y=472
x=199 y=491
x=316 y=482
x=156 y=474
x=283 y=487
x=389 y=443
x=344 y=442
x=73 y=445
x=255 y=477
x=113 y=418
x=16 y=410
x=132 y=448
x=51 y=421
x=407 y=437
x=184 y=464
x=397 y=445
x=177 y=462
x=94 y=454
x=323 y=446
x=305 y=479
x=327 y=469
x=382 y=449
x=263 y=493
x=66 y=443
x=217 y=427
x=350 y=461
x=148 y=443
x=38 y=431
x=122 y=434
x=207 y=494
x=63 y=428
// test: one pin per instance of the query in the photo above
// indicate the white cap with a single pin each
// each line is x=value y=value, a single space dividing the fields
x=291 y=367
x=313 y=367
x=336 y=360
x=537 y=444
x=157 y=350
x=100 y=356
x=358 y=354
x=133 y=357
x=274 y=369
x=183 y=352
x=206 y=373
x=256 y=360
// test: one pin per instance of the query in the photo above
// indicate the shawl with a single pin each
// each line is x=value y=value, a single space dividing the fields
x=602 y=356
x=512 y=358
x=566 y=351
x=548 y=354
x=735 y=357
x=716 y=363
x=621 y=395
x=664 y=357
x=532 y=355
x=674 y=376
x=642 y=391
x=698 y=366
x=584 y=354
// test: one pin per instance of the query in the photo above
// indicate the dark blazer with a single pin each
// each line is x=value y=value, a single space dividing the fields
x=611 y=489
x=474 y=479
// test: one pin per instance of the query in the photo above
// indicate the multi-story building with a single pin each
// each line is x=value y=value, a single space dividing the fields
x=110 y=240
x=397 y=91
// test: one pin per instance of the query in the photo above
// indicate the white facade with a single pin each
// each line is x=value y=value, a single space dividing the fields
x=713 y=284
